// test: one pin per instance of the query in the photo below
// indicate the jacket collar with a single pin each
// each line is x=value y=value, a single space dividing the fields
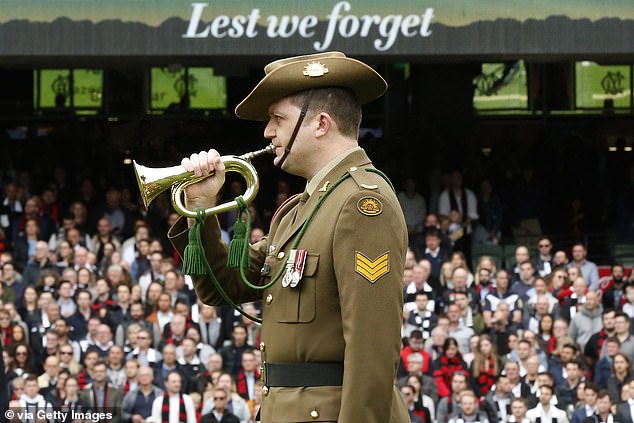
x=357 y=158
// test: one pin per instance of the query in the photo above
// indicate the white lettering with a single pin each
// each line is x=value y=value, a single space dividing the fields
x=410 y=22
x=427 y=17
x=338 y=23
x=332 y=21
x=237 y=26
x=218 y=24
x=367 y=24
x=389 y=27
x=282 y=30
x=348 y=26
x=254 y=16
x=194 y=21
x=306 y=24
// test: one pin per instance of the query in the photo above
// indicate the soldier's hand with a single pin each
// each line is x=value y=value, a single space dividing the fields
x=203 y=194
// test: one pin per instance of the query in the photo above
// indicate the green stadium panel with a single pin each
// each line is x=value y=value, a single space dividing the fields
x=597 y=86
x=206 y=90
x=501 y=86
x=167 y=88
x=53 y=83
x=87 y=88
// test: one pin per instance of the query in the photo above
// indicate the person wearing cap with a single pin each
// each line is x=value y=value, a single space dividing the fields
x=332 y=318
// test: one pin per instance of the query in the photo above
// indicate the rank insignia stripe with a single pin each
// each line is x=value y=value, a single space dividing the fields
x=372 y=270
x=369 y=206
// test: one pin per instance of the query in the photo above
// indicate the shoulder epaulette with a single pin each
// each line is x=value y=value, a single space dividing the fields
x=363 y=178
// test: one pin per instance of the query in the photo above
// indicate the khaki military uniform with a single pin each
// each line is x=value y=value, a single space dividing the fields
x=347 y=307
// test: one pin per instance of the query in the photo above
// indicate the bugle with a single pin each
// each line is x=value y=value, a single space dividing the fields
x=153 y=181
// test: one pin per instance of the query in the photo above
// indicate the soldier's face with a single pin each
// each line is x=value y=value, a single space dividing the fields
x=283 y=116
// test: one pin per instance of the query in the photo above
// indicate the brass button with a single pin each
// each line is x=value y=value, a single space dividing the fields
x=269 y=298
x=280 y=255
x=265 y=390
x=262 y=346
x=352 y=169
x=314 y=414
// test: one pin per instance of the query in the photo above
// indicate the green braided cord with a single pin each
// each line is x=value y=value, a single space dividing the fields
x=226 y=297
x=245 y=254
x=238 y=247
x=194 y=259
x=297 y=240
x=382 y=175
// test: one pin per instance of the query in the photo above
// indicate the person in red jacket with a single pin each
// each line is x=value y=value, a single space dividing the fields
x=415 y=342
x=446 y=365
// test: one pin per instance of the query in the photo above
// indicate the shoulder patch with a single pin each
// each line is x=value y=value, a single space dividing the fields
x=369 y=206
x=372 y=270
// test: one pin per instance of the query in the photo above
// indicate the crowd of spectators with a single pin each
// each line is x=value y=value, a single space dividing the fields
x=542 y=338
x=96 y=313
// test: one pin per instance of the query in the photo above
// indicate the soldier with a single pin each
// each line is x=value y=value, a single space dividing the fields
x=331 y=322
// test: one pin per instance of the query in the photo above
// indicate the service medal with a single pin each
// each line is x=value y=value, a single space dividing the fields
x=298 y=267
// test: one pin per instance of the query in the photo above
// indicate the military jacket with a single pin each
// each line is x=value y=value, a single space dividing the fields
x=347 y=307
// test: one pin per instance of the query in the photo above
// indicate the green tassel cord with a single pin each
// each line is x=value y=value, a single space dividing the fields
x=238 y=247
x=194 y=260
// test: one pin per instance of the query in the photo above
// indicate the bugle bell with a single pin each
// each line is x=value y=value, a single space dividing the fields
x=153 y=181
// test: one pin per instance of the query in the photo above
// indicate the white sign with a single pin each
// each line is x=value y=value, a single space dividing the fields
x=339 y=23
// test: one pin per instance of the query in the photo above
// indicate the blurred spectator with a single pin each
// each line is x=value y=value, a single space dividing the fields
x=414 y=210
x=102 y=395
x=232 y=353
x=47 y=381
x=469 y=412
x=588 y=269
x=621 y=373
x=423 y=318
x=544 y=262
x=141 y=263
x=38 y=262
x=153 y=273
x=130 y=247
x=104 y=236
x=220 y=413
x=491 y=212
x=10 y=210
x=12 y=280
x=137 y=404
x=613 y=292
x=167 y=365
x=486 y=364
x=434 y=251
x=136 y=316
x=450 y=403
x=463 y=200
x=116 y=370
x=497 y=403
x=211 y=327
x=163 y=313
x=144 y=353
x=545 y=411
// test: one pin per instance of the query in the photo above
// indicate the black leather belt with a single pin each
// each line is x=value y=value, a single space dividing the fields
x=303 y=374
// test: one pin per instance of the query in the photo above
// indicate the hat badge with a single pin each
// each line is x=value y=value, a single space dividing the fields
x=314 y=69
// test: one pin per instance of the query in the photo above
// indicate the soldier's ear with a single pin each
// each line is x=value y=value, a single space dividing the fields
x=324 y=124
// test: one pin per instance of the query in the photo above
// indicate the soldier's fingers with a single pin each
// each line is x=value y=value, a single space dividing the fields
x=196 y=164
x=187 y=164
x=215 y=162
x=204 y=163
